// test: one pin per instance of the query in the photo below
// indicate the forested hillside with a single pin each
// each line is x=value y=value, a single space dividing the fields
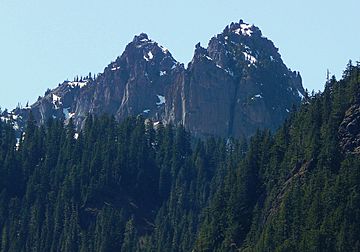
x=140 y=186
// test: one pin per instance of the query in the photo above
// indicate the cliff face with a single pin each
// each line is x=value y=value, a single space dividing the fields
x=349 y=130
x=234 y=86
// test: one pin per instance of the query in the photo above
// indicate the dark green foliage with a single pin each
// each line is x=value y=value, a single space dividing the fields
x=135 y=187
x=113 y=187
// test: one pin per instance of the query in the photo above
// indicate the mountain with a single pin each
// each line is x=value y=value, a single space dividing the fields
x=239 y=79
x=130 y=186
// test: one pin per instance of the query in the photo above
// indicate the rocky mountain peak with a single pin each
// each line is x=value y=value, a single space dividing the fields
x=234 y=86
x=142 y=37
x=146 y=53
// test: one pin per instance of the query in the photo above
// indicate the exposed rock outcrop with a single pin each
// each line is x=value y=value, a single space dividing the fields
x=234 y=86
x=349 y=130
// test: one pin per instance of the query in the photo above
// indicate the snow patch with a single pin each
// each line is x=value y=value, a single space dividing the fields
x=161 y=100
x=56 y=100
x=245 y=29
x=68 y=114
x=144 y=41
x=208 y=58
x=17 y=145
x=146 y=111
x=76 y=135
x=148 y=56
x=16 y=126
x=300 y=95
x=272 y=58
x=287 y=110
x=250 y=58
x=164 y=49
x=162 y=73
x=80 y=84
x=257 y=96
x=115 y=68
x=4 y=119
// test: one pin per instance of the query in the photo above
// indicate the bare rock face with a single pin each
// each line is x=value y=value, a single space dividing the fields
x=134 y=84
x=349 y=130
x=231 y=88
x=235 y=86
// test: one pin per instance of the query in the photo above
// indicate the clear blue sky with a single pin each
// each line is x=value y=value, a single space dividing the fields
x=45 y=42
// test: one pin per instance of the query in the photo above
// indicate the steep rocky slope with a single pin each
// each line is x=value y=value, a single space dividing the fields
x=234 y=86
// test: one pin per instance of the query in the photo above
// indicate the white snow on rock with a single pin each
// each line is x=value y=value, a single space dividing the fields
x=287 y=110
x=146 y=111
x=161 y=100
x=67 y=114
x=208 y=58
x=164 y=49
x=148 y=56
x=17 y=145
x=56 y=100
x=259 y=96
x=16 y=126
x=162 y=73
x=115 y=68
x=80 y=84
x=144 y=41
x=76 y=135
x=300 y=95
x=249 y=58
x=272 y=58
x=245 y=29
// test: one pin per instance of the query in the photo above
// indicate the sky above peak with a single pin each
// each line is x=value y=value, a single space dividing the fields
x=46 y=42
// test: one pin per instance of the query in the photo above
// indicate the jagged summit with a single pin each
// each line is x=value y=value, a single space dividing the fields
x=245 y=69
x=242 y=28
x=142 y=37
x=142 y=48
x=234 y=86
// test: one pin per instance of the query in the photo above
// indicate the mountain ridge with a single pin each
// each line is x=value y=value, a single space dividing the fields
x=233 y=79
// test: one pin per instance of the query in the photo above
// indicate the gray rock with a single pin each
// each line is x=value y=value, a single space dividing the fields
x=231 y=88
